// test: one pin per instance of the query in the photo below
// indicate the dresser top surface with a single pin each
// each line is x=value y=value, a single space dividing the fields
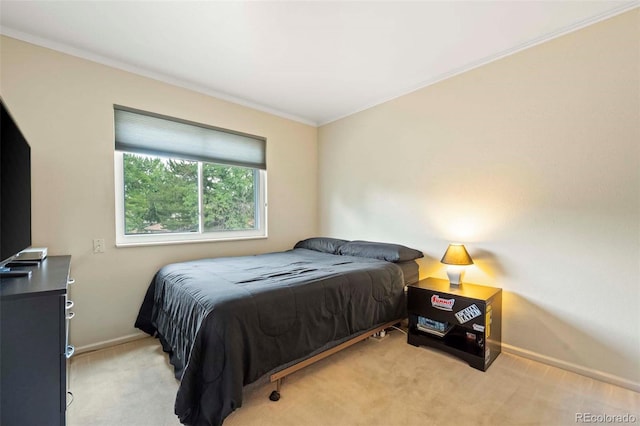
x=50 y=276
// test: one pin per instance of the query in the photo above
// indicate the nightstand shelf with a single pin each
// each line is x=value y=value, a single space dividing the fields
x=463 y=321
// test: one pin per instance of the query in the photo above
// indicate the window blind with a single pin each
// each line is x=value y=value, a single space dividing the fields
x=147 y=133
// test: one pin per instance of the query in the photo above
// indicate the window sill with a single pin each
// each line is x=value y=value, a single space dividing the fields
x=187 y=241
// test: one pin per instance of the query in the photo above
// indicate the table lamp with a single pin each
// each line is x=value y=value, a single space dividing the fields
x=456 y=257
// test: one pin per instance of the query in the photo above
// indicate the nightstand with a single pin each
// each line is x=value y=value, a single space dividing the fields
x=464 y=321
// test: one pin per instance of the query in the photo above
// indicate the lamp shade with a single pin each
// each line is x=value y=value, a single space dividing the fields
x=456 y=254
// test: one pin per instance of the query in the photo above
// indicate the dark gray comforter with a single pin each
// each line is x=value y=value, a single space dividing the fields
x=228 y=321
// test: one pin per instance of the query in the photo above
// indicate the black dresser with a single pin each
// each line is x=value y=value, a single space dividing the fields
x=34 y=314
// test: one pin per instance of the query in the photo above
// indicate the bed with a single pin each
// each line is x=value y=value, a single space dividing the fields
x=227 y=322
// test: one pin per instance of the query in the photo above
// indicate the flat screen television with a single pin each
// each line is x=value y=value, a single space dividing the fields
x=15 y=198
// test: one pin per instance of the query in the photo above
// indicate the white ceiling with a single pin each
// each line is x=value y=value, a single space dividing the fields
x=314 y=62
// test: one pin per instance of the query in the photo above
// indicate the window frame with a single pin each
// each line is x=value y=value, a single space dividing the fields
x=124 y=240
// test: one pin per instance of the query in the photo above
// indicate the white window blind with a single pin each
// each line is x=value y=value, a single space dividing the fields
x=147 y=133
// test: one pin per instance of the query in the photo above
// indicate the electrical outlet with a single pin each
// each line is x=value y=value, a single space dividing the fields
x=98 y=245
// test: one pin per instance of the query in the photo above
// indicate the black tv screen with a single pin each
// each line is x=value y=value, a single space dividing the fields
x=15 y=180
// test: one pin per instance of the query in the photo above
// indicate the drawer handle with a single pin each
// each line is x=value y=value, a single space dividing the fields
x=69 y=304
x=70 y=315
x=70 y=351
x=71 y=281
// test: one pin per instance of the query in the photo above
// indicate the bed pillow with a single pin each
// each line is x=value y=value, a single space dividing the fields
x=321 y=244
x=382 y=251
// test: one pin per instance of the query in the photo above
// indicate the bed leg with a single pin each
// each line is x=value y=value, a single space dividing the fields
x=275 y=395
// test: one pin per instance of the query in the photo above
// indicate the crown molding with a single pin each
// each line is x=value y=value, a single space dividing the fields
x=491 y=58
x=84 y=54
x=93 y=57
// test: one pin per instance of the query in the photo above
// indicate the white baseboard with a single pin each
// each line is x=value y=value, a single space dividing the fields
x=507 y=348
x=112 y=342
x=574 y=368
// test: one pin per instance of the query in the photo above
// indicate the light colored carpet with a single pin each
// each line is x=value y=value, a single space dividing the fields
x=384 y=382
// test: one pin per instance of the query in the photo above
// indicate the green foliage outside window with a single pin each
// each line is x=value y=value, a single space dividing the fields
x=229 y=198
x=161 y=196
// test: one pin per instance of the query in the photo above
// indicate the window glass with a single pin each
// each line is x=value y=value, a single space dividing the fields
x=160 y=195
x=229 y=197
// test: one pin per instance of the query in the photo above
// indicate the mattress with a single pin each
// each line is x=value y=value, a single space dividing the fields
x=410 y=271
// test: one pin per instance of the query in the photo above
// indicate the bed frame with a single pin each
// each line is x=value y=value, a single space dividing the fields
x=279 y=376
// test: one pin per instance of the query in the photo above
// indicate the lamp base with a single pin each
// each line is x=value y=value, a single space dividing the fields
x=455 y=274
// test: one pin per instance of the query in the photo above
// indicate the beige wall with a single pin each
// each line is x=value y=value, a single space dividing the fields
x=64 y=106
x=532 y=161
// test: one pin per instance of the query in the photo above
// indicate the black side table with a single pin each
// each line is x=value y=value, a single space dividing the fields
x=464 y=321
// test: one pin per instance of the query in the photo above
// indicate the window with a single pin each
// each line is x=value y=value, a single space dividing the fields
x=178 y=181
